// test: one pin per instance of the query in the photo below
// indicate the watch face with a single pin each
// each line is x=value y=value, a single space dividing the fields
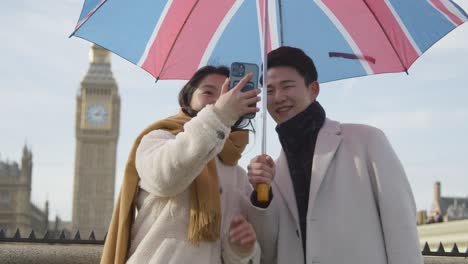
x=97 y=114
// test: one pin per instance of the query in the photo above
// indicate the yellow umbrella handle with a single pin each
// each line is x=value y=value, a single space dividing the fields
x=263 y=190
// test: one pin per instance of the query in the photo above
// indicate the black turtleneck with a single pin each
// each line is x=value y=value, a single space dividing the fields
x=298 y=136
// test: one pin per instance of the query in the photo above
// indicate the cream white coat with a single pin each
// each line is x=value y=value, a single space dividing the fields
x=167 y=165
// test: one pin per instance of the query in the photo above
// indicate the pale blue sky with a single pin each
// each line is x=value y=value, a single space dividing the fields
x=424 y=114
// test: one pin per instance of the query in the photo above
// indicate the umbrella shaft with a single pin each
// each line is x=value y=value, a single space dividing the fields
x=265 y=67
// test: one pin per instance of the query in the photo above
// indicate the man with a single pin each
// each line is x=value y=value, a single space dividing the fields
x=341 y=192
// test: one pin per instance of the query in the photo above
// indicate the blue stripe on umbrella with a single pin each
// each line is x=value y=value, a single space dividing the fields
x=241 y=35
x=425 y=24
x=302 y=12
x=88 y=6
x=123 y=26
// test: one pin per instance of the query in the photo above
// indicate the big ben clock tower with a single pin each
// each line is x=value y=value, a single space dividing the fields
x=97 y=131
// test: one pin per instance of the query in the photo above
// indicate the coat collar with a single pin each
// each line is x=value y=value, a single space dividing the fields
x=328 y=140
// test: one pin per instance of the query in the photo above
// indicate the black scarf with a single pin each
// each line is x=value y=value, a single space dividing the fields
x=298 y=136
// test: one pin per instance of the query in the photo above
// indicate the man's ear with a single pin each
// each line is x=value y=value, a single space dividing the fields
x=314 y=89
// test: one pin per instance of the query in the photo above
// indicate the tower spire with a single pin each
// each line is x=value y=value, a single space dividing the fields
x=99 y=55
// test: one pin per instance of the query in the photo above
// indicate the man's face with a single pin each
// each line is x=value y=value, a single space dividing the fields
x=288 y=94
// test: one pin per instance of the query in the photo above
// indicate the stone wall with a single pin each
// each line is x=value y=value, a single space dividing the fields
x=39 y=253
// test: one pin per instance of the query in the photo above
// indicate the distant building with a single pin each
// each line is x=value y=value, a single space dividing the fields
x=447 y=208
x=97 y=131
x=421 y=217
x=97 y=125
x=56 y=228
x=16 y=208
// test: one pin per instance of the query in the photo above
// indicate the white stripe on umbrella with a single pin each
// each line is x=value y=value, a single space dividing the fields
x=431 y=2
x=273 y=23
x=219 y=31
x=149 y=44
x=260 y=29
x=455 y=11
x=403 y=27
x=345 y=34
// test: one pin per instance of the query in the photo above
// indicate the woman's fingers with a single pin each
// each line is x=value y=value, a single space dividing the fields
x=237 y=225
x=252 y=100
x=241 y=232
x=225 y=87
x=242 y=82
x=235 y=103
x=248 y=240
x=251 y=93
x=250 y=110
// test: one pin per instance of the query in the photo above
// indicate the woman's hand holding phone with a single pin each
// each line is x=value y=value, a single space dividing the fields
x=233 y=103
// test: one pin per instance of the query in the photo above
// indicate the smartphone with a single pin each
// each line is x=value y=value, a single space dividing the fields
x=238 y=71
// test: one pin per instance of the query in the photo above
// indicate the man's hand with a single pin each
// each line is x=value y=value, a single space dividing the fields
x=261 y=170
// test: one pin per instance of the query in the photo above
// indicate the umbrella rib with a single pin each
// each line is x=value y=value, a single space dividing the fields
x=86 y=19
x=386 y=35
x=280 y=7
x=177 y=37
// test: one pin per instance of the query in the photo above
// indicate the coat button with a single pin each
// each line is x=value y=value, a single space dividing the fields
x=220 y=190
x=220 y=134
x=297 y=232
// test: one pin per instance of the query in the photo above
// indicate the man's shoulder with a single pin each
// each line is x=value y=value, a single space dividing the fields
x=359 y=128
x=355 y=130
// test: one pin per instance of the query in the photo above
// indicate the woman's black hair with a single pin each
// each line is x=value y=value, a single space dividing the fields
x=185 y=95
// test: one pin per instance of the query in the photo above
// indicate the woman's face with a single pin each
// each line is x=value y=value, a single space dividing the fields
x=207 y=92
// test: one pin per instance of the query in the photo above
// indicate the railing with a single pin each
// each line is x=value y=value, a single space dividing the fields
x=51 y=238
x=60 y=247
x=442 y=253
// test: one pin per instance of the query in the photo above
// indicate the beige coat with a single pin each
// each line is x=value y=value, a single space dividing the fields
x=361 y=208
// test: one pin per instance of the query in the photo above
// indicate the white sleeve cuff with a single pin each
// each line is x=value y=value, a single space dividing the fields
x=230 y=257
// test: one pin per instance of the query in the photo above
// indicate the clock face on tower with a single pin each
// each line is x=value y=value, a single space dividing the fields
x=97 y=114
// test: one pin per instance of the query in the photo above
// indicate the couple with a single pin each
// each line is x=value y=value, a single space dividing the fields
x=339 y=193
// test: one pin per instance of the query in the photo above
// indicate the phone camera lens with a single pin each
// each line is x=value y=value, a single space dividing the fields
x=238 y=70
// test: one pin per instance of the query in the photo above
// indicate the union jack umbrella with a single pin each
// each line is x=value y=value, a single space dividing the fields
x=171 y=39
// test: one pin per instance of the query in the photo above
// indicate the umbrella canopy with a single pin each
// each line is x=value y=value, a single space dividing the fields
x=171 y=39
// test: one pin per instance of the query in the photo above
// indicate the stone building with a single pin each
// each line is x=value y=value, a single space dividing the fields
x=97 y=130
x=446 y=208
x=16 y=208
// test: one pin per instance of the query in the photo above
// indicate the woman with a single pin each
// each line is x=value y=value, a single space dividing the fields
x=192 y=195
